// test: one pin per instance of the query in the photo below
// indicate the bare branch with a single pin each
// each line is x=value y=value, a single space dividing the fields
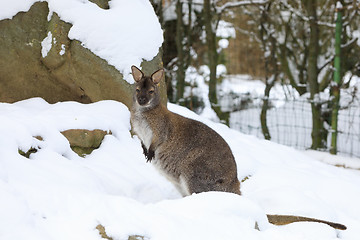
x=303 y=17
x=228 y=5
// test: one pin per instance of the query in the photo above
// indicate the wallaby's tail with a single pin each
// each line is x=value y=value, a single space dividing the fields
x=286 y=219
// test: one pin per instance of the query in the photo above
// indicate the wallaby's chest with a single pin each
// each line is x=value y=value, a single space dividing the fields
x=142 y=129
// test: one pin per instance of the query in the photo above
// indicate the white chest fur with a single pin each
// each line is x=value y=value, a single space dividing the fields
x=142 y=129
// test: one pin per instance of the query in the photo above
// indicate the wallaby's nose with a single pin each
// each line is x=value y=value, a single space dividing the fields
x=142 y=100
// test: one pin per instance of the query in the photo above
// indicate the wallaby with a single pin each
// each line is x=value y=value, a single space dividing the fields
x=188 y=153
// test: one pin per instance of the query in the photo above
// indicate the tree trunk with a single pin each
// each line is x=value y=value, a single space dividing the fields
x=271 y=68
x=189 y=38
x=318 y=130
x=180 y=84
x=212 y=62
x=211 y=51
x=265 y=107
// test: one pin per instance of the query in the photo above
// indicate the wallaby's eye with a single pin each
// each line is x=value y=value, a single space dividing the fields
x=137 y=90
x=151 y=91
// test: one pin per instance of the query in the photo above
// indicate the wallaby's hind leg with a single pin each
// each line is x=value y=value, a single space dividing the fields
x=234 y=187
x=196 y=187
x=197 y=184
x=183 y=187
x=204 y=179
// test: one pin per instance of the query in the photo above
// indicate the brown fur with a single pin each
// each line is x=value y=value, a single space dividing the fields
x=190 y=154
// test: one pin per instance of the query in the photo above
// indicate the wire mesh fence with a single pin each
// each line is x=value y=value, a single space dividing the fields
x=290 y=123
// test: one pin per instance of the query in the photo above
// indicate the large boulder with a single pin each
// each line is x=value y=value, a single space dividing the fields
x=67 y=72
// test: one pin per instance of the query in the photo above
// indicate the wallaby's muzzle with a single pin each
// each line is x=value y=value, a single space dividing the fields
x=142 y=100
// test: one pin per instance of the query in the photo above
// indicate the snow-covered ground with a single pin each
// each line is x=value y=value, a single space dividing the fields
x=56 y=194
x=290 y=119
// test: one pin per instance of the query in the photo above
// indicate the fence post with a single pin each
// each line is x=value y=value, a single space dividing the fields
x=337 y=79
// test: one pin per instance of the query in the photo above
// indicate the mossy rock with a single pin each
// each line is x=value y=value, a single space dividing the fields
x=85 y=138
x=27 y=153
x=104 y=235
x=31 y=150
x=104 y=4
x=83 y=141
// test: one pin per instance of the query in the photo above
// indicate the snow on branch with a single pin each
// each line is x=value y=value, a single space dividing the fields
x=303 y=17
x=239 y=4
x=349 y=43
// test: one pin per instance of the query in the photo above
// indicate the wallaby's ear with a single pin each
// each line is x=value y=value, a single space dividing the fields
x=157 y=76
x=137 y=73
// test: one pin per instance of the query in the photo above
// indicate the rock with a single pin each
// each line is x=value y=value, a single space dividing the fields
x=103 y=234
x=104 y=4
x=85 y=138
x=83 y=141
x=28 y=153
x=31 y=150
x=136 y=237
x=69 y=72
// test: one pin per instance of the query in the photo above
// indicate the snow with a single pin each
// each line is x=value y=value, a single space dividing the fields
x=62 y=51
x=55 y=194
x=196 y=79
x=225 y=30
x=339 y=5
x=123 y=35
x=245 y=86
x=46 y=44
x=223 y=43
x=289 y=118
x=346 y=162
x=10 y=9
x=169 y=12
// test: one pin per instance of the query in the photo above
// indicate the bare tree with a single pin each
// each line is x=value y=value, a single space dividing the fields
x=213 y=12
x=180 y=73
x=304 y=34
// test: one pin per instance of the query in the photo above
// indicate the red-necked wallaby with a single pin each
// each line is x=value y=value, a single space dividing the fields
x=190 y=154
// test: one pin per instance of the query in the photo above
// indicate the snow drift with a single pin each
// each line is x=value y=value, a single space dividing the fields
x=55 y=194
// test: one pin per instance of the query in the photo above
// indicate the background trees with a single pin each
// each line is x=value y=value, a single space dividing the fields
x=296 y=38
x=301 y=35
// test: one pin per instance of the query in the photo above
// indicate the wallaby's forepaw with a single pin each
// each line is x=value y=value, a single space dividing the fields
x=145 y=152
x=150 y=155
